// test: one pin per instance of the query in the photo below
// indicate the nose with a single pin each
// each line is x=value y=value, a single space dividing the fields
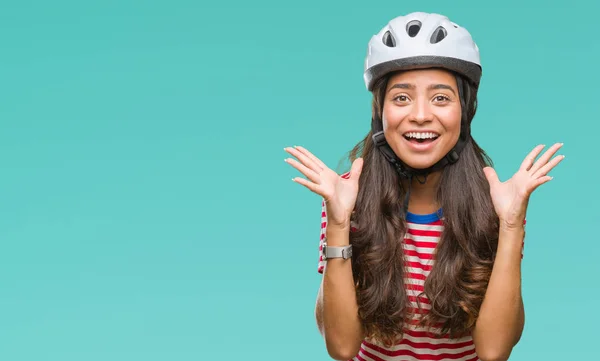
x=421 y=112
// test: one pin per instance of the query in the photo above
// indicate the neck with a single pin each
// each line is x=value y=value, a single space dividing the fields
x=423 y=196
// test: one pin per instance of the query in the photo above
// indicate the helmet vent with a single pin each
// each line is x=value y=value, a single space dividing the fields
x=388 y=39
x=413 y=27
x=438 y=35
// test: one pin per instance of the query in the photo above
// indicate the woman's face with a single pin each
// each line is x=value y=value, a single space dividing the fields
x=422 y=116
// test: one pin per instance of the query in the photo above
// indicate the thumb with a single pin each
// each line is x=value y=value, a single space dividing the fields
x=356 y=169
x=491 y=176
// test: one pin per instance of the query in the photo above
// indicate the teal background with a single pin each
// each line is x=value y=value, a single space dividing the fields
x=146 y=212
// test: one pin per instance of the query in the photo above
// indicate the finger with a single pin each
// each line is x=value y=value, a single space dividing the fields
x=309 y=173
x=491 y=176
x=304 y=159
x=311 y=156
x=538 y=182
x=311 y=186
x=356 y=168
x=545 y=157
x=528 y=161
x=548 y=166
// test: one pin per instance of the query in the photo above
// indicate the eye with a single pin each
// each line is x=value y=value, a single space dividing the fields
x=401 y=98
x=441 y=98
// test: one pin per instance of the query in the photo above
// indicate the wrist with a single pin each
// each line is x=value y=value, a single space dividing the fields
x=512 y=243
x=511 y=239
x=338 y=235
x=512 y=225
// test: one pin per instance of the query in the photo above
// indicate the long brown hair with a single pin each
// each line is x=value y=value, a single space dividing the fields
x=457 y=282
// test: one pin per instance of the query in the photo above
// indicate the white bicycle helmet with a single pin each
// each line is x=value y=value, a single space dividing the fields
x=416 y=41
x=422 y=40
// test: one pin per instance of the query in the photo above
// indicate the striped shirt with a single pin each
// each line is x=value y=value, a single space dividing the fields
x=422 y=235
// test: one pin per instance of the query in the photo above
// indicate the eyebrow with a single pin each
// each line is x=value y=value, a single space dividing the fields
x=431 y=87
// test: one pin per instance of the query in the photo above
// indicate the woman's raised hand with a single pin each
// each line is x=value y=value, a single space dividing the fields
x=339 y=193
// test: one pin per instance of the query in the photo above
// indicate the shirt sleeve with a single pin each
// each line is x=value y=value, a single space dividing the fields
x=321 y=265
x=523 y=244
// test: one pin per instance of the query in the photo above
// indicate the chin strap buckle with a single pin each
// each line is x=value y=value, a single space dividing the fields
x=452 y=156
x=388 y=153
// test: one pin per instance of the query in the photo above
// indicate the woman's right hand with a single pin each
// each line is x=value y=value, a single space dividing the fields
x=339 y=193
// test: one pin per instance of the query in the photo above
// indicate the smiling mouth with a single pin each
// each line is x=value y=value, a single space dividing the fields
x=420 y=138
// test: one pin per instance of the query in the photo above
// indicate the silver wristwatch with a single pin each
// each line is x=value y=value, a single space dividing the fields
x=344 y=252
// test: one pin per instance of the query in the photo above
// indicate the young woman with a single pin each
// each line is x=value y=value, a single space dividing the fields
x=421 y=243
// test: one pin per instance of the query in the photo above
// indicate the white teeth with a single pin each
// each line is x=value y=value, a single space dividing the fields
x=416 y=135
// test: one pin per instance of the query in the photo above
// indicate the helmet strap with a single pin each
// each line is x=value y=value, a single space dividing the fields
x=405 y=170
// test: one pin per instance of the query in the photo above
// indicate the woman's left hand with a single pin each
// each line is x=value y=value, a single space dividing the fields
x=511 y=198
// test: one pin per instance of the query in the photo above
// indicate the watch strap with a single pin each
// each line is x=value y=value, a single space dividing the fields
x=344 y=252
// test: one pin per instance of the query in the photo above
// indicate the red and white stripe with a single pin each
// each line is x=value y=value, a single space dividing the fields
x=417 y=344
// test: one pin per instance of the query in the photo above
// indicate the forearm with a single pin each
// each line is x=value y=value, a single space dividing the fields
x=339 y=321
x=501 y=318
